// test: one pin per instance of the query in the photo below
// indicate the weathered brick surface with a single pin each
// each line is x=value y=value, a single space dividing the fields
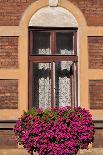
x=96 y=94
x=8 y=52
x=11 y=11
x=8 y=94
x=92 y=10
x=98 y=138
x=7 y=139
x=95 y=49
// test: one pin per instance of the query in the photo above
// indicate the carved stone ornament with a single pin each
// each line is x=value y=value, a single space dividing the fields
x=53 y=3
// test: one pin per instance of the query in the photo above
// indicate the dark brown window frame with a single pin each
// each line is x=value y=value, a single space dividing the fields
x=52 y=58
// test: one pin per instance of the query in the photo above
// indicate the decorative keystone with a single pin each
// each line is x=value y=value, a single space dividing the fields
x=53 y=3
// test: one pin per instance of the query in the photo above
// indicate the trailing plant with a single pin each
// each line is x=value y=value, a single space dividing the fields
x=56 y=131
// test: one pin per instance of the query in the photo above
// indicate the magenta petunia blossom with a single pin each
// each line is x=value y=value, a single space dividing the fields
x=57 y=131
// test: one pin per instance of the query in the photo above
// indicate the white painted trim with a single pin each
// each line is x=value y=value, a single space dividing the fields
x=53 y=3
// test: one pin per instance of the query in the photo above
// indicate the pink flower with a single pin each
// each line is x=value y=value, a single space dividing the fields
x=58 y=131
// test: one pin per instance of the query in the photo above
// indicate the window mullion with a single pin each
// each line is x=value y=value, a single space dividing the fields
x=76 y=64
x=53 y=42
x=73 y=87
x=30 y=85
x=52 y=85
x=71 y=78
x=75 y=84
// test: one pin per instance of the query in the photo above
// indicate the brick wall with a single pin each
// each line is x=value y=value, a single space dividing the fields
x=8 y=52
x=7 y=139
x=8 y=94
x=92 y=10
x=98 y=138
x=11 y=11
x=96 y=94
x=95 y=49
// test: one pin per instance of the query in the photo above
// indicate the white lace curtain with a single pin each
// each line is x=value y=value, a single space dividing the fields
x=63 y=89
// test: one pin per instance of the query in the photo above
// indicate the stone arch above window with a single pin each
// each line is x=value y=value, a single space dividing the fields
x=53 y=17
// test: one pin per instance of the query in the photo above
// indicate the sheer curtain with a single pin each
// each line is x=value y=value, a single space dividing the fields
x=45 y=86
x=63 y=85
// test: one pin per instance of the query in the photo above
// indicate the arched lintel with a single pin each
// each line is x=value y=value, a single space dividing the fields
x=35 y=6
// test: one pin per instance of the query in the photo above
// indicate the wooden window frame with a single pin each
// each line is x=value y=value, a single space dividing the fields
x=51 y=58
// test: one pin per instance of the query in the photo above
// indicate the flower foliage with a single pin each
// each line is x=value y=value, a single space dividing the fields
x=56 y=131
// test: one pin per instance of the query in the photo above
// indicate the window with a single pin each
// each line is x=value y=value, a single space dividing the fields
x=53 y=69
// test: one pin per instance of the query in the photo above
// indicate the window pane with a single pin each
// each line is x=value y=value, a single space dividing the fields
x=41 y=43
x=64 y=43
x=63 y=83
x=41 y=85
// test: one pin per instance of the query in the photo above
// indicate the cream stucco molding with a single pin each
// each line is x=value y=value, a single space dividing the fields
x=9 y=74
x=8 y=114
x=95 y=74
x=9 y=31
x=53 y=3
x=95 y=31
x=16 y=31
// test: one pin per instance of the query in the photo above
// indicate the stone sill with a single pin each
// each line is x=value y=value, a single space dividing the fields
x=93 y=151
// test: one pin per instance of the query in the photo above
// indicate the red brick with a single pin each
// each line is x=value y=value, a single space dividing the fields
x=92 y=10
x=8 y=52
x=98 y=138
x=11 y=11
x=96 y=94
x=95 y=49
x=7 y=139
x=8 y=94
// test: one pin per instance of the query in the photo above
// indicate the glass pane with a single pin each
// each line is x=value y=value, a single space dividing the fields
x=63 y=83
x=41 y=85
x=64 y=42
x=41 y=43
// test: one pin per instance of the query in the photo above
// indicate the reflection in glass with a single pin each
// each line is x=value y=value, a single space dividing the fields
x=41 y=85
x=41 y=43
x=64 y=42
